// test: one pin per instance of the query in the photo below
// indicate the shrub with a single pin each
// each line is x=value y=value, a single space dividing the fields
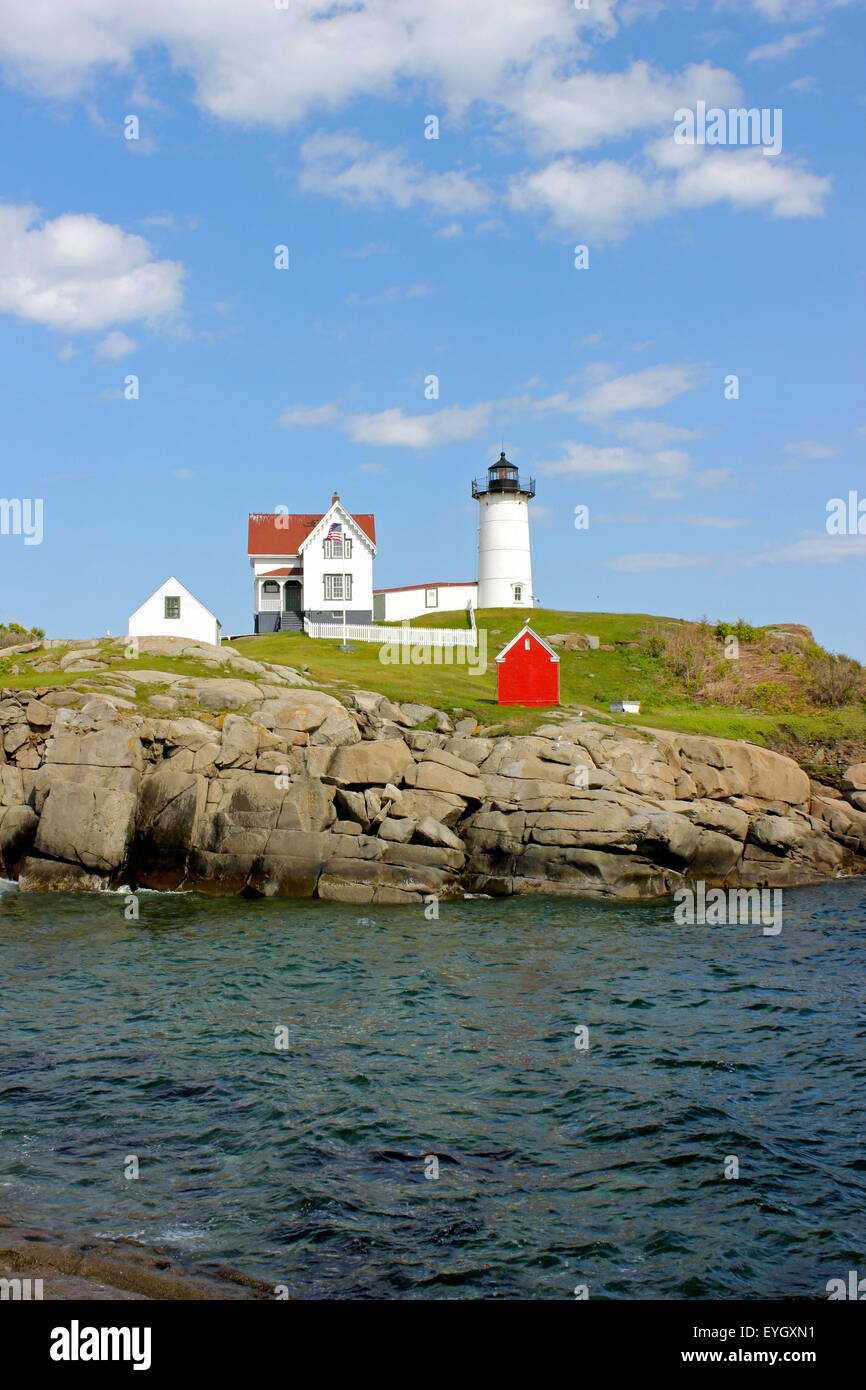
x=743 y=631
x=687 y=652
x=653 y=642
x=13 y=633
x=773 y=697
x=833 y=680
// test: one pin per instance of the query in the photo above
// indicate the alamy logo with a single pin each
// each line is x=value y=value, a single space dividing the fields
x=20 y=1290
x=855 y=1288
x=846 y=518
x=418 y=654
x=722 y=907
x=22 y=516
x=738 y=126
x=77 y=1343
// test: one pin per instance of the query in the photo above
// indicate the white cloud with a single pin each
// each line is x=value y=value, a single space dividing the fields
x=606 y=200
x=524 y=64
x=392 y=427
x=653 y=434
x=259 y=65
x=718 y=523
x=372 y=248
x=746 y=178
x=78 y=274
x=644 y=390
x=783 y=10
x=640 y=564
x=813 y=547
x=388 y=296
x=714 y=478
x=116 y=345
x=346 y=166
x=810 y=449
x=620 y=519
x=308 y=415
x=589 y=201
x=780 y=48
x=580 y=460
x=590 y=108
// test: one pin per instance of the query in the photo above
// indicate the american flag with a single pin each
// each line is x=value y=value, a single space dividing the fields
x=336 y=531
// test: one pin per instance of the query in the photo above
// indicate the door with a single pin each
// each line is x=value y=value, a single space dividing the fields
x=293 y=598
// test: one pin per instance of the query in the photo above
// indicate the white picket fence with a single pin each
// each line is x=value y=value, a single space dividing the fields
x=404 y=636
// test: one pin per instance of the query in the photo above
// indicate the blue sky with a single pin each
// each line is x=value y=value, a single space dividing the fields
x=259 y=387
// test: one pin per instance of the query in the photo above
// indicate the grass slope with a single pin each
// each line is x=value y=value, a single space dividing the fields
x=588 y=680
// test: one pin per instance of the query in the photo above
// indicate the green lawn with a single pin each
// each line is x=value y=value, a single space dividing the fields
x=588 y=680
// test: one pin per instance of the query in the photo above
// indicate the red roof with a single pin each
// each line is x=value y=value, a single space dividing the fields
x=449 y=584
x=265 y=537
x=269 y=574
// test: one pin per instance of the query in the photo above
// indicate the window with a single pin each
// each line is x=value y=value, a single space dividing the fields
x=431 y=598
x=518 y=592
x=270 y=586
x=172 y=605
x=337 y=549
x=338 y=586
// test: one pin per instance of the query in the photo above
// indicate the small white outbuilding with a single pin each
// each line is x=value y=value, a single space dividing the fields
x=172 y=611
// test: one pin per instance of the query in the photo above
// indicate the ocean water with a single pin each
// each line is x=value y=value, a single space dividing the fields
x=409 y=1041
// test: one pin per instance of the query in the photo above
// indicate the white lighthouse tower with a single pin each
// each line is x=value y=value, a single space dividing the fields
x=504 y=556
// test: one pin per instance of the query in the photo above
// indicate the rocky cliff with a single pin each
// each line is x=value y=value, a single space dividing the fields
x=301 y=796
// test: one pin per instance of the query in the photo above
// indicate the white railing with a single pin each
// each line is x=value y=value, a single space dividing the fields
x=270 y=603
x=405 y=636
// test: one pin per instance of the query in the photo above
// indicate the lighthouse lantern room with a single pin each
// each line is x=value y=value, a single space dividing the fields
x=504 y=555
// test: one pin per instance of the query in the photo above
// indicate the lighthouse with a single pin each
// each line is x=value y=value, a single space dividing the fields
x=504 y=556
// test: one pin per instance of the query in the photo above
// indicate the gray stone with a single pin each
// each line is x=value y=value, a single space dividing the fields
x=39 y=715
x=346 y=827
x=433 y=777
x=417 y=713
x=298 y=710
x=90 y=826
x=367 y=764
x=218 y=692
x=240 y=743
x=56 y=876
x=338 y=730
x=113 y=746
x=466 y=726
x=400 y=831
x=432 y=832
x=170 y=805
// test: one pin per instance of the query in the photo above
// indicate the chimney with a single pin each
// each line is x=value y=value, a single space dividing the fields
x=335 y=498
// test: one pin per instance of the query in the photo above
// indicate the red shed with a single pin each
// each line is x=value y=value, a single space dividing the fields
x=527 y=671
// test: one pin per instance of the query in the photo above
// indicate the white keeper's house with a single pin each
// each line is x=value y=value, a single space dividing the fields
x=313 y=567
x=320 y=567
